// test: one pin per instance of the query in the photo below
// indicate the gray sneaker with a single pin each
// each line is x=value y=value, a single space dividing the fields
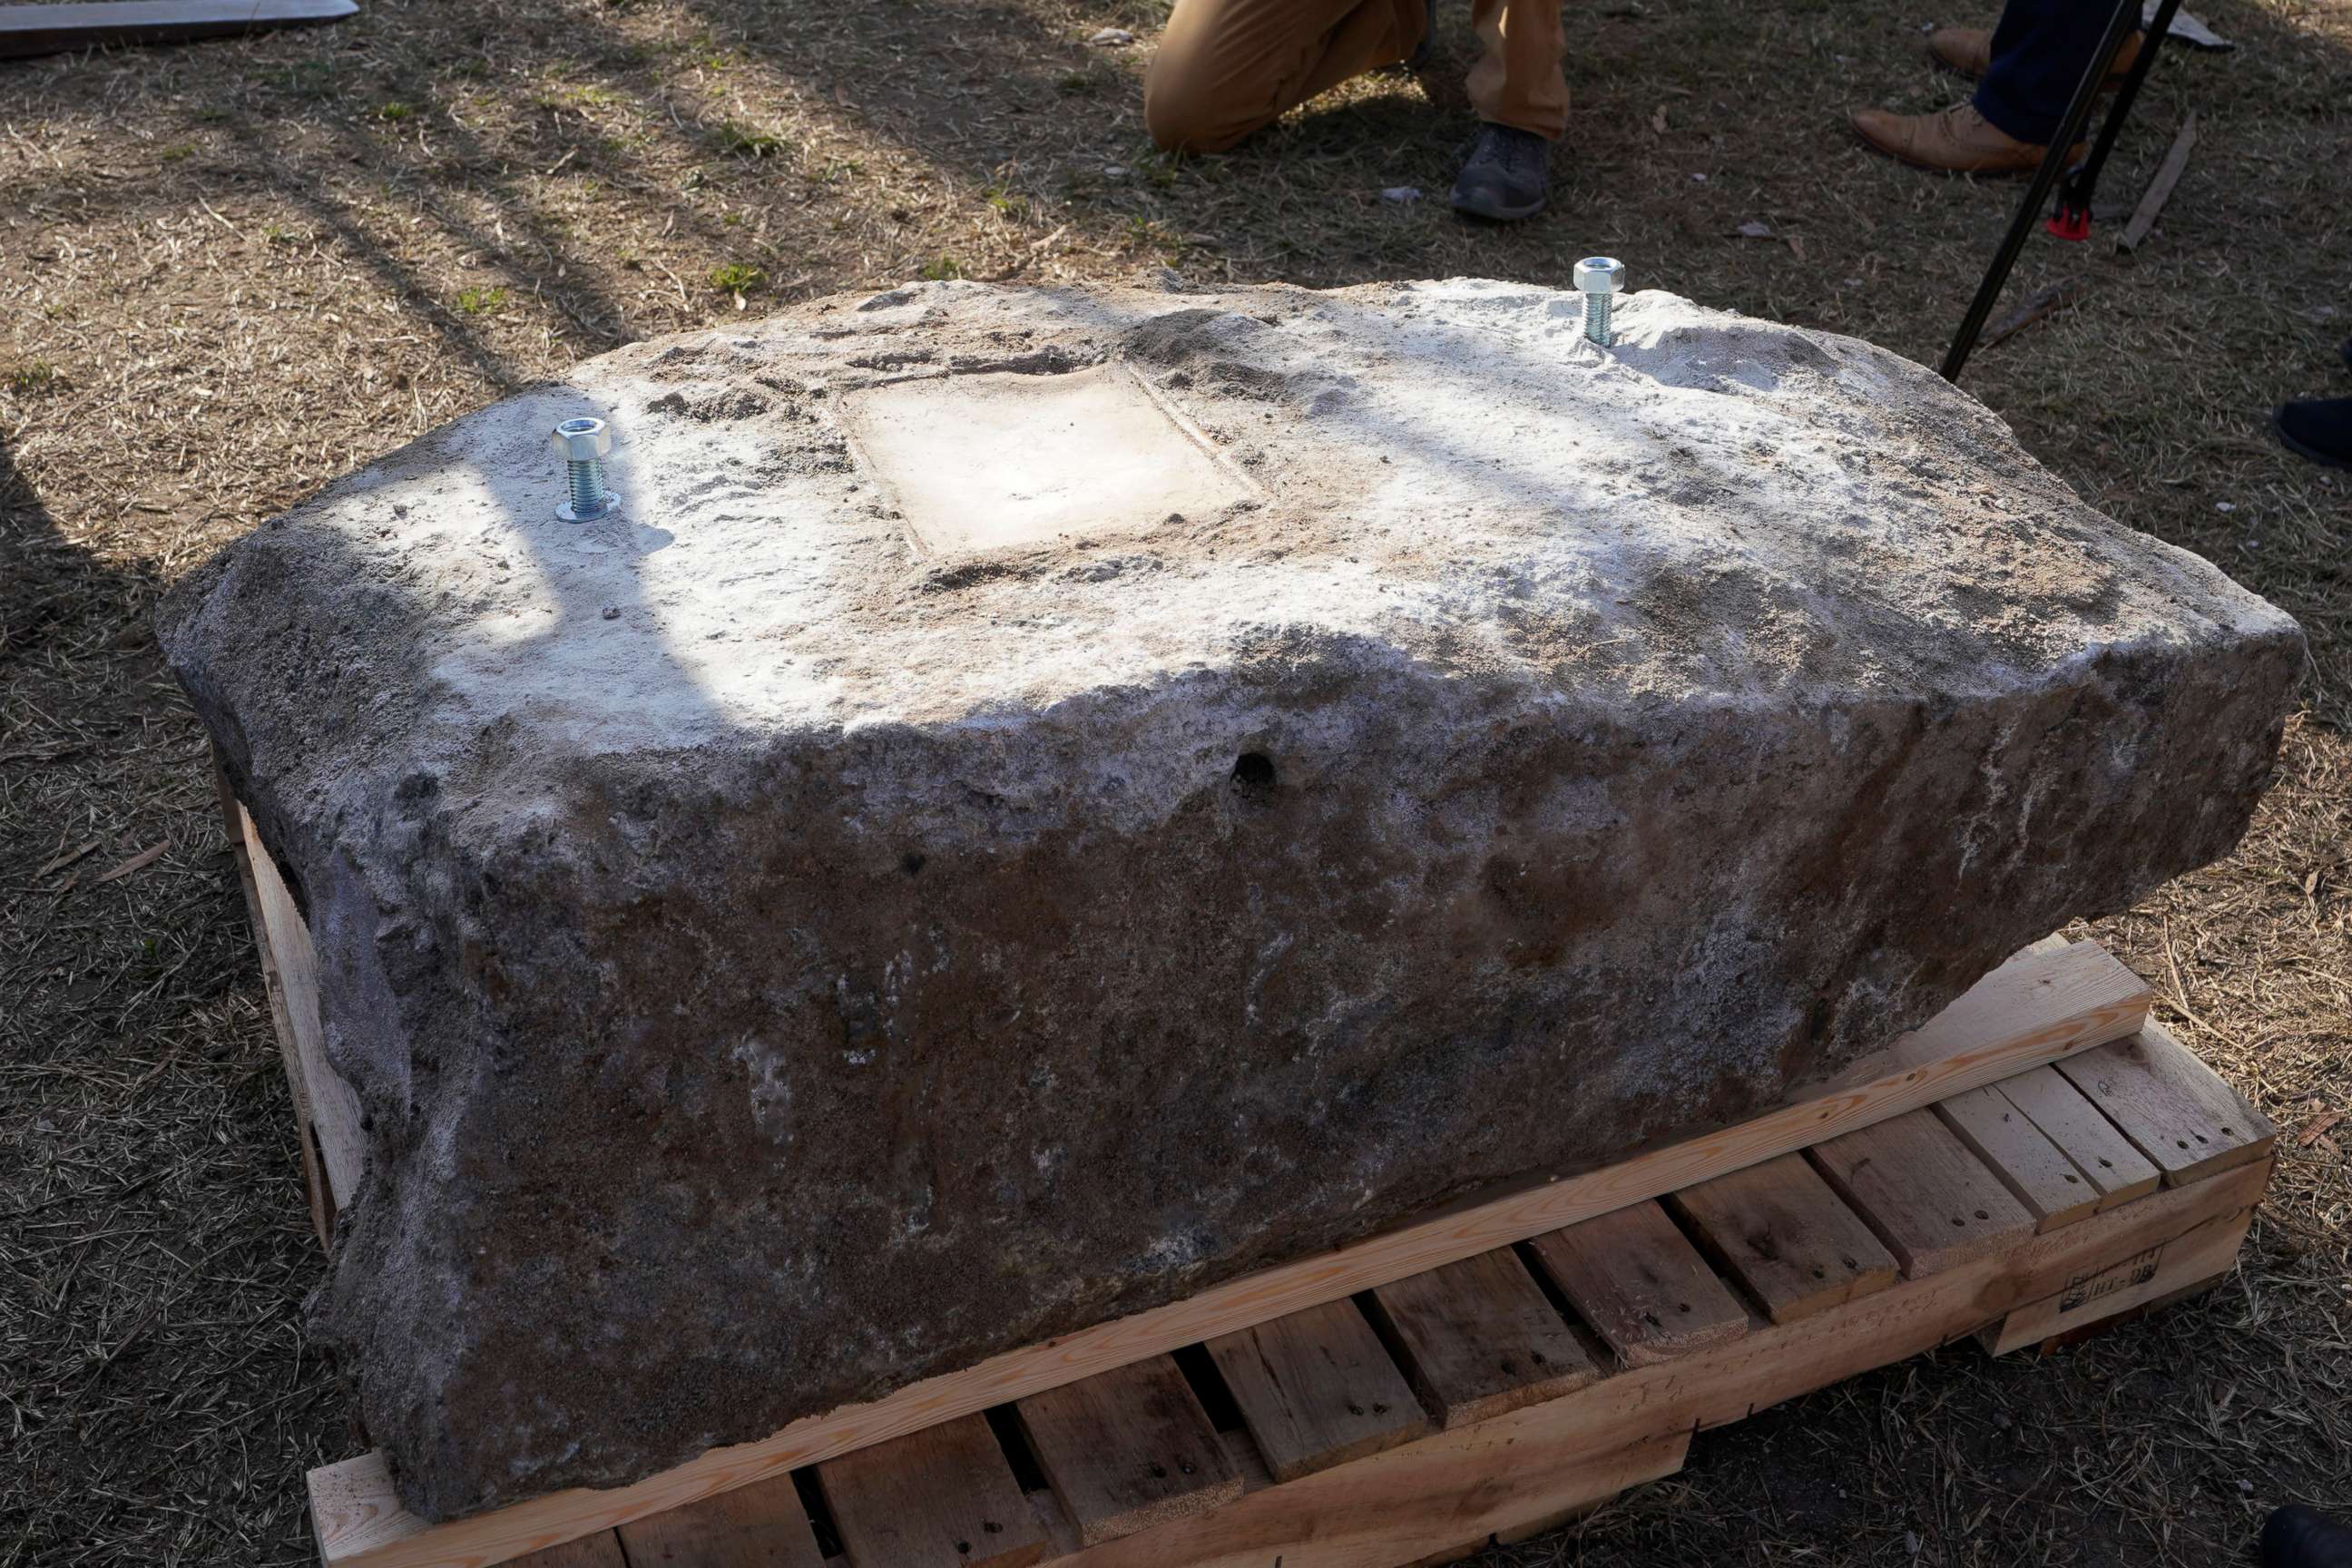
x=1507 y=175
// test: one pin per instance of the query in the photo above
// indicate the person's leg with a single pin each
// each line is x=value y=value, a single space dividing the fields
x=2040 y=50
x=1226 y=68
x=1517 y=80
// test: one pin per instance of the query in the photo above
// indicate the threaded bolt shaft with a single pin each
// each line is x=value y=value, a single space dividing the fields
x=1596 y=318
x=587 y=476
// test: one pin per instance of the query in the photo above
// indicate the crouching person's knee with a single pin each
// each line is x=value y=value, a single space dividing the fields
x=1183 y=114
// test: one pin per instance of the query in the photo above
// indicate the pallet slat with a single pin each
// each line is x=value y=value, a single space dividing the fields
x=2036 y=1172
x=599 y=1550
x=1128 y=1449
x=1916 y=1185
x=939 y=1497
x=2187 y=1121
x=1316 y=1388
x=763 y=1525
x=1779 y=1230
x=2034 y=1009
x=1408 y=1502
x=2102 y=1154
x=1640 y=1284
x=1479 y=1337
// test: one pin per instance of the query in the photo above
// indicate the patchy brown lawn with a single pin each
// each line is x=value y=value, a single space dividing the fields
x=229 y=272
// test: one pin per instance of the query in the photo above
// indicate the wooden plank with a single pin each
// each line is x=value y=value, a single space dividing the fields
x=334 y=1108
x=2105 y=1156
x=1479 y=1337
x=598 y=1550
x=2036 y=1172
x=29 y=30
x=1640 y=1284
x=1128 y=1449
x=764 y=1525
x=2171 y=1106
x=1531 y=1505
x=1400 y=1505
x=2159 y=189
x=1779 y=1230
x=941 y=1497
x=315 y=1190
x=1929 y=1200
x=2158 y=1274
x=2034 y=1009
x=1316 y=1388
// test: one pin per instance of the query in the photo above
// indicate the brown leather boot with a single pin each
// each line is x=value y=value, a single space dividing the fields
x=1968 y=50
x=1957 y=140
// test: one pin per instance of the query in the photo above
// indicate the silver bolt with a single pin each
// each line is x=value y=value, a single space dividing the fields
x=582 y=444
x=1598 y=278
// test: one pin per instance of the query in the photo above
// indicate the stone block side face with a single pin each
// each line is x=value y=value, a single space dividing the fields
x=1014 y=1083
x=730 y=1060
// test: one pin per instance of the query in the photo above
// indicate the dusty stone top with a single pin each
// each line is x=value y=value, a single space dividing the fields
x=1046 y=799
x=1716 y=511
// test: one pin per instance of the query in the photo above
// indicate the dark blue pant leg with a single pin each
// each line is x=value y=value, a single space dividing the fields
x=2039 y=51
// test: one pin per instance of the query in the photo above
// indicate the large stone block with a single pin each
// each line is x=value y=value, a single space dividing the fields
x=1045 y=799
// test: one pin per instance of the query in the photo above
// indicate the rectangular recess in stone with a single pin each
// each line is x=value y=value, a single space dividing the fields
x=996 y=459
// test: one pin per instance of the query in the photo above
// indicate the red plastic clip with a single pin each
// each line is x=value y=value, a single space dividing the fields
x=2070 y=221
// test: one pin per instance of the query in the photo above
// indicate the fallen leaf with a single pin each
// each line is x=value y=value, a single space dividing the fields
x=1112 y=38
x=1796 y=248
x=1658 y=121
x=138 y=862
x=1755 y=228
x=2312 y=1129
x=68 y=858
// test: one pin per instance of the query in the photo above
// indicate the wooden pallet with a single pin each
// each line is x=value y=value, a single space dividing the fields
x=2037 y=1159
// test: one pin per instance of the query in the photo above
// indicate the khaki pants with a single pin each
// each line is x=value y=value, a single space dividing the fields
x=1227 y=67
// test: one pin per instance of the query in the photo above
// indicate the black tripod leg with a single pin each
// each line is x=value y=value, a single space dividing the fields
x=2084 y=183
x=2045 y=178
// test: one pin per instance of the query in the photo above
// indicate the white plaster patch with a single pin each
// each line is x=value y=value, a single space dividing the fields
x=984 y=461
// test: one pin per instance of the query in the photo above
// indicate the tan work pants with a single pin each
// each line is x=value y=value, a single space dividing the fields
x=1227 y=67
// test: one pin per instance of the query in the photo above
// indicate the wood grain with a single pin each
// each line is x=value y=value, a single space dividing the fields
x=1790 y=1241
x=2105 y=1157
x=1640 y=1284
x=1316 y=1388
x=1128 y=1449
x=2187 y=1121
x=1916 y=1185
x=764 y=1525
x=2036 y=1172
x=940 y=1498
x=1479 y=1337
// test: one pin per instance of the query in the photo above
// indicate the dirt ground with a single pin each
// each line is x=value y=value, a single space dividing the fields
x=231 y=271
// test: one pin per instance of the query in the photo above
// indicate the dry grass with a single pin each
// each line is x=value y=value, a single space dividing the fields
x=232 y=271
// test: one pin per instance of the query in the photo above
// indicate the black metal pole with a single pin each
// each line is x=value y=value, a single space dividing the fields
x=2078 y=114
x=2077 y=191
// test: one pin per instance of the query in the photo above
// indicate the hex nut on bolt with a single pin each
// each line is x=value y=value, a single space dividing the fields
x=1597 y=278
x=582 y=444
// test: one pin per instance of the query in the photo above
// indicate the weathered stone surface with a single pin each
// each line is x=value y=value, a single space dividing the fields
x=780 y=962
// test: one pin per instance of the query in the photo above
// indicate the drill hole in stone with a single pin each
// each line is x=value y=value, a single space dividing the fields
x=1253 y=774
